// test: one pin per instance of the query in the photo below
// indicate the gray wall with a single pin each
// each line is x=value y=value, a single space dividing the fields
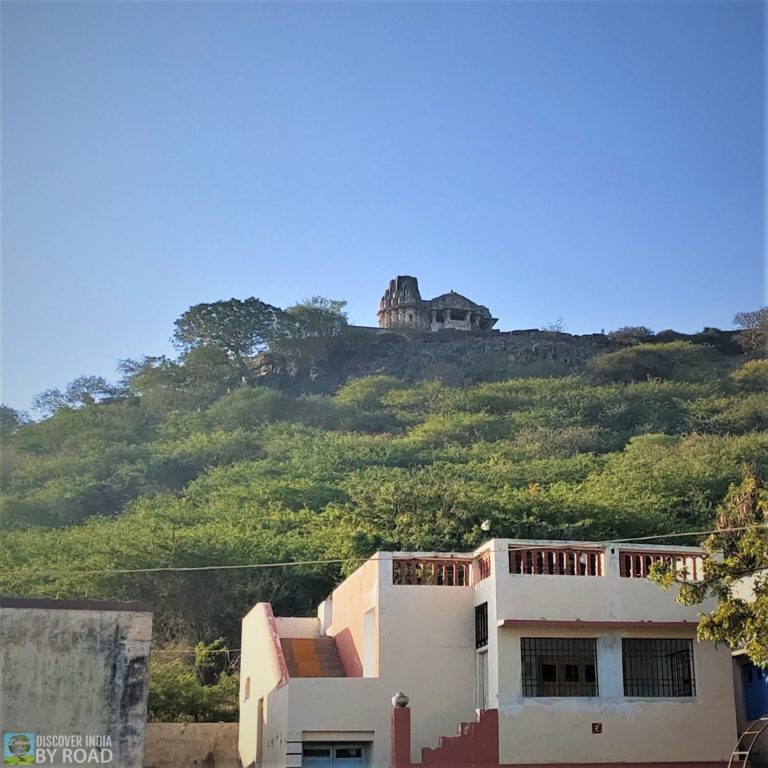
x=76 y=668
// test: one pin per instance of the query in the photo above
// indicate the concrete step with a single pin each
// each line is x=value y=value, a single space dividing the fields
x=312 y=657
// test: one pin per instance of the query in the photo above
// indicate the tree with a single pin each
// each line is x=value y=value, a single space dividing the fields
x=193 y=685
x=735 y=574
x=316 y=316
x=753 y=336
x=84 y=390
x=239 y=328
x=10 y=420
x=556 y=326
x=631 y=334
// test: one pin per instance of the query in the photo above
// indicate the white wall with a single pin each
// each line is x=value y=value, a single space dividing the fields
x=424 y=645
x=297 y=627
x=427 y=646
x=261 y=678
x=275 y=743
x=700 y=728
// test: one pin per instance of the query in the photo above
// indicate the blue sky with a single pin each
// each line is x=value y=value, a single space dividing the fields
x=596 y=161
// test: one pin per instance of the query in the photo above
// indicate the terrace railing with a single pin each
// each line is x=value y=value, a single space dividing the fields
x=560 y=561
x=482 y=567
x=432 y=571
x=636 y=564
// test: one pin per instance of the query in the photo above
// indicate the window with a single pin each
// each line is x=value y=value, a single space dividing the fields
x=334 y=755
x=662 y=668
x=563 y=666
x=481 y=625
x=481 y=688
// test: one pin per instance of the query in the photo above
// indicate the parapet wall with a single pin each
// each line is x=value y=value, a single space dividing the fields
x=186 y=745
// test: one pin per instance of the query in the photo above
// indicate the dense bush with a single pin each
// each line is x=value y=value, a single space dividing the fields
x=258 y=477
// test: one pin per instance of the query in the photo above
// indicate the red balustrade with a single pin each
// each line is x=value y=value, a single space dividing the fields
x=637 y=564
x=434 y=571
x=483 y=567
x=562 y=561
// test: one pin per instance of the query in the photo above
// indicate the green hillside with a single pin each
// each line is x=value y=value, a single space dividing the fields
x=149 y=481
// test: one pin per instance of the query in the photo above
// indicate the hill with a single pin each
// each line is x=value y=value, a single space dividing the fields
x=323 y=449
x=158 y=477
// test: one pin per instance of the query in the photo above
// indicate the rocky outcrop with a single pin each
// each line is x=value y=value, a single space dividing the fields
x=321 y=365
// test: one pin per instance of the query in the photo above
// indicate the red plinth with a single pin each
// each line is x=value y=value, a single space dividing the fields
x=401 y=737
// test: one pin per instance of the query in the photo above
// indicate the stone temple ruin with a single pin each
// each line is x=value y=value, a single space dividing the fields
x=402 y=307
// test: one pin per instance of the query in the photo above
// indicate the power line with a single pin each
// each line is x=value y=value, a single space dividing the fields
x=336 y=561
x=204 y=652
x=185 y=568
x=688 y=533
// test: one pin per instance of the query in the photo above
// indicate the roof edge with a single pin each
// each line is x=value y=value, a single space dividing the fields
x=46 y=603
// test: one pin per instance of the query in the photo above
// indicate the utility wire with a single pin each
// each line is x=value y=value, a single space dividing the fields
x=205 y=652
x=688 y=533
x=336 y=561
x=184 y=568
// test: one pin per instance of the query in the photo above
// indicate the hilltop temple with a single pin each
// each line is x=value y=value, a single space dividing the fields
x=402 y=307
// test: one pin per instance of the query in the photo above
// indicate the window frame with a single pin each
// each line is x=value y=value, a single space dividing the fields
x=481 y=626
x=674 y=684
x=555 y=658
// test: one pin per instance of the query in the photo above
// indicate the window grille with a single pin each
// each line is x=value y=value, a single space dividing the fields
x=659 y=668
x=481 y=625
x=563 y=666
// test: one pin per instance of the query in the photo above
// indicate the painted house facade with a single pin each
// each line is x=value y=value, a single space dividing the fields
x=521 y=653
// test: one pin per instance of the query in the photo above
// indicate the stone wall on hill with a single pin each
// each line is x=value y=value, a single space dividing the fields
x=321 y=365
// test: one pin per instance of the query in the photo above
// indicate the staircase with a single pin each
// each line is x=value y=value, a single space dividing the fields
x=475 y=744
x=311 y=657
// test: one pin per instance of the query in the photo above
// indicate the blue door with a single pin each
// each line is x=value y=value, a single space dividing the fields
x=755 y=691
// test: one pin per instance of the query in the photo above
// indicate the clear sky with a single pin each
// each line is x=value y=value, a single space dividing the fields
x=596 y=161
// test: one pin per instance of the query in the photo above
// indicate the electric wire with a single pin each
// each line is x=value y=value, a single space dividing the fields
x=340 y=560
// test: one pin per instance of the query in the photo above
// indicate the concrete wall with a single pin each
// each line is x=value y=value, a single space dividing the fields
x=421 y=632
x=358 y=594
x=76 y=668
x=185 y=745
x=585 y=598
x=428 y=651
x=297 y=627
x=274 y=743
x=263 y=696
x=559 y=729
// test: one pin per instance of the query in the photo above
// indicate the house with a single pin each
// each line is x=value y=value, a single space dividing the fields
x=544 y=653
x=74 y=681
